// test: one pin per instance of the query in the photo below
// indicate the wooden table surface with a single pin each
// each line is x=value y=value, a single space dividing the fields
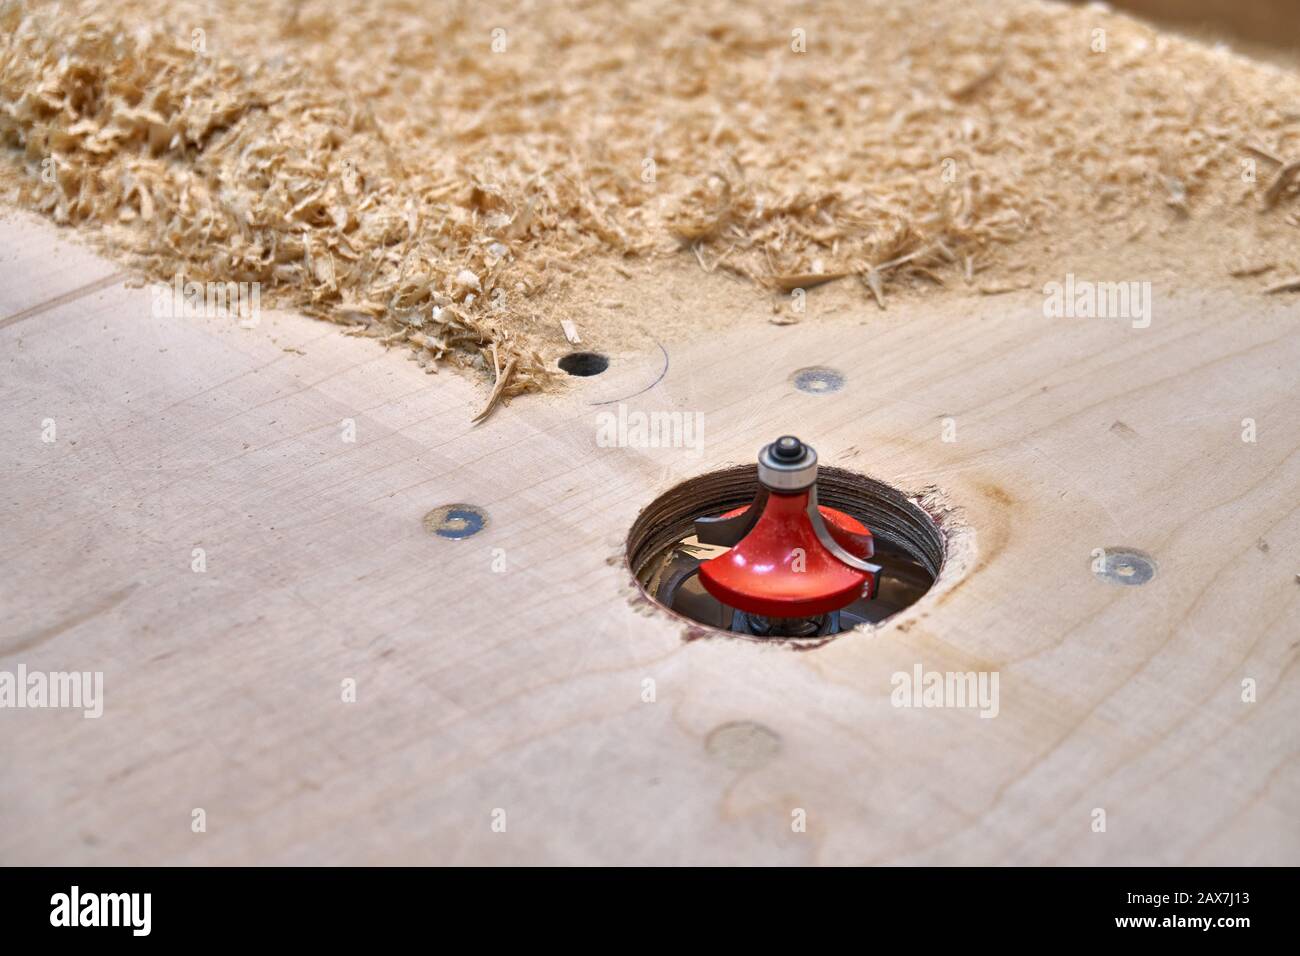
x=501 y=678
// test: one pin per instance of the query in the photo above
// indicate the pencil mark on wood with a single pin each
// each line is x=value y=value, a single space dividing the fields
x=73 y=296
x=31 y=639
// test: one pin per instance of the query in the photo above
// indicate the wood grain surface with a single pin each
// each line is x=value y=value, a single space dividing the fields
x=507 y=671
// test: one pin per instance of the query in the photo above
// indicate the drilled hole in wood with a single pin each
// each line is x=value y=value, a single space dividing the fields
x=663 y=552
x=584 y=363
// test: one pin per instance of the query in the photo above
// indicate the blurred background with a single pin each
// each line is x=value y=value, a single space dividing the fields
x=1266 y=29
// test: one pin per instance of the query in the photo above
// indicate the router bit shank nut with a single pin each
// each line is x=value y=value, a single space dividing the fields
x=787 y=465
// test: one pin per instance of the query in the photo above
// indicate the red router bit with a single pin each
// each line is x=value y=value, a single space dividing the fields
x=793 y=564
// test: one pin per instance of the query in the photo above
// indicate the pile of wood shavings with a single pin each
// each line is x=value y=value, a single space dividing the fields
x=431 y=176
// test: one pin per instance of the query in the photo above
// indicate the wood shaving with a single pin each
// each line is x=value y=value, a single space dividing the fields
x=806 y=280
x=1263 y=153
x=1286 y=285
x=443 y=177
x=1246 y=269
x=503 y=380
x=1284 y=178
x=1003 y=289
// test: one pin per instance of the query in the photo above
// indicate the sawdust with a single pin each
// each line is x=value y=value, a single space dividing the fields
x=449 y=178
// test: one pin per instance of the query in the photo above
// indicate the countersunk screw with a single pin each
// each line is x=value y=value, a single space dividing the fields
x=1126 y=566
